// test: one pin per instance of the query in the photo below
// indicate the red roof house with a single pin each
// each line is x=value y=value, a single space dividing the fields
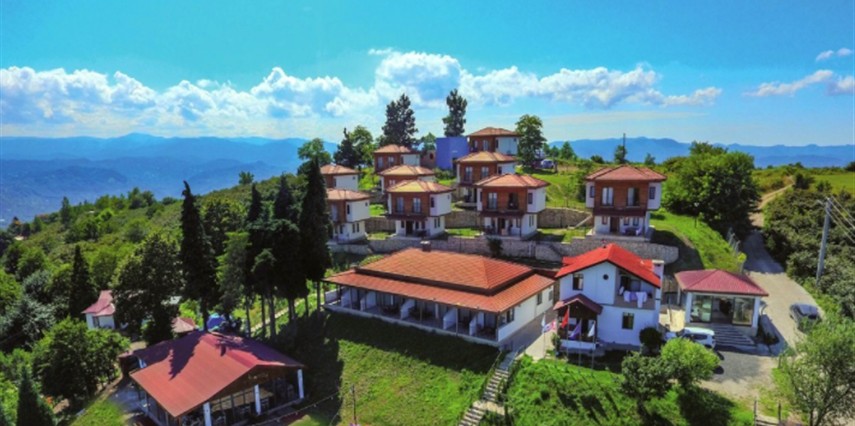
x=720 y=297
x=621 y=199
x=100 y=314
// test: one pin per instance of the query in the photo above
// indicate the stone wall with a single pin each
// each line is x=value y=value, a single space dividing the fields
x=549 y=218
x=560 y=218
x=463 y=219
x=379 y=224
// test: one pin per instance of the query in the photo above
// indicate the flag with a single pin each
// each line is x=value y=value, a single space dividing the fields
x=592 y=330
x=576 y=331
x=566 y=319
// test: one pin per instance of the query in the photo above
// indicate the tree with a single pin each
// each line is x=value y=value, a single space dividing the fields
x=146 y=284
x=65 y=213
x=231 y=276
x=32 y=259
x=221 y=216
x=428 y=143
x=455 y=121
x=566 y=152
x=263 y=272
x=818 y=377
x=82 y=292
x=363 y=142
x=850 y=167
x=651 y=339
x=346 y=154
x=644 y=378
x=32 y=409
x=531 y=140
x=291 y=282
x=620 y=154
x=197 y=258
x=689 y=362
x=83 y=358
x=245 y=178
x=315 y=230
x=649 y=160
x=4 y=418
x=400 y=127
x=802 y=180
x=597 y=159
x=310 y=151
x=257 y=230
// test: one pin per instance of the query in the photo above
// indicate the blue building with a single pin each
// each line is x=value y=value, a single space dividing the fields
x=450 y=149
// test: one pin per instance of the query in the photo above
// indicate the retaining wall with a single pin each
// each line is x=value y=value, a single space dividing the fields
x=549 y=218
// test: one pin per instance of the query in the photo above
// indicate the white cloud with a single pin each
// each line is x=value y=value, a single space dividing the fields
x=828 y=54
x=426 y=78
x=835 y=85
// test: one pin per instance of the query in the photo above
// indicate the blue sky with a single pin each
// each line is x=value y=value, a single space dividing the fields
x=758 y=72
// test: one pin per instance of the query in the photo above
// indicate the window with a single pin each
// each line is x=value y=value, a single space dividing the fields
x=417 y=205
x=531 y=220
x=652 y=192
x=604 y=220
x=508 y=316
x=539 y=298
x=531 y=198
x=592 y=192
x=513 y=203
x=436 y=222
x=353 y=228
x=485 y=171
x=391 y=183
x=347 y=208
x=399 y=207
x=578 y=282
x=432 y=203
x=391 y=160
x=635 y=221
x=492 y=200
x=608 y=196
x=467 y=174
x=626 y=220
x=379 y=162
x=628 y=321
x=632 y=197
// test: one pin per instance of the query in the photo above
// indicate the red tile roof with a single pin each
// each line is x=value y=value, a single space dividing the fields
x=346 y=195
x=616 y=255
x=718 y=281
x=418 y=186
x=393 y=149
x=494 y=131
x=625 y=173
x=582 y=300
x=181 y=325
x=511 y=180
x=104 y=306
x=486 y=157
x=184 y=373
x=498 y=302
x=335 y=169
x=406 y=170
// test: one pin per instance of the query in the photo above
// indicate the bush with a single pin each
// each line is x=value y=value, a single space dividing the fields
x=644 y=378
x=651 y=338
x=689 y=362
x=495 y=246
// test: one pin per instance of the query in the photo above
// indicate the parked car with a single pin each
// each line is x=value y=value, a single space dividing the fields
x=547 y=164
x=804 y=315
x=702 y=336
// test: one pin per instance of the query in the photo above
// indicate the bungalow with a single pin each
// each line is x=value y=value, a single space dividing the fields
x=214 y=379
x=494 y=139
x=394 y=155
x=348 y=212
x=607 y=296
x=714 y=296
x=473 y=297
x=340 y=177
x=403 y=173
x=419 y=208
x=478 y=166
x=100 y=314
x=508 y=204
x=621 y=199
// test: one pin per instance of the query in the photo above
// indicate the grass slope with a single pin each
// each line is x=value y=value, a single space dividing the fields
x=552 y=392
x=700 y=246
x=101 y=413
x=401 y=375
x=560 y=192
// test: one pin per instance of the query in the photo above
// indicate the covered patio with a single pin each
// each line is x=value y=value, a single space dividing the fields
x=577 y=326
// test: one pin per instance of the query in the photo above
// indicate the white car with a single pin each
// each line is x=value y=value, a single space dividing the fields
x=702 y=336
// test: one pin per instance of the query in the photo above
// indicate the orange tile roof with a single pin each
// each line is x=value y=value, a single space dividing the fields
x=494 y=131
x=626 y=172
x=393 y=149
x=406 y=170
x=503 y=300
x=718 y=281
x=103 y=306
x=334 y=194
x=511 y=180
x=418 y=186
x=335 y=169
x=616 y=255
x=486 y=157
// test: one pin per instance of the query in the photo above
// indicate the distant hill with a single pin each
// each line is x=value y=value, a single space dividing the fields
x=35 y=173
x=662 y=149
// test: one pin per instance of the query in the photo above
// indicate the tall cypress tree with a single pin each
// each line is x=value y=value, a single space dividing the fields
x=32 y=409
x=456 y=118
x=346 y=153
x=82 y=291
x=400 y=127
x=197 y=258
x=257 y=229
x=315 y=230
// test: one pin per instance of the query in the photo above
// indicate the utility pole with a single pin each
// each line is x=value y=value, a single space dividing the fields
x=821 y=265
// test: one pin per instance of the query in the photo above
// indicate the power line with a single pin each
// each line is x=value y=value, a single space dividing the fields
x=839 y=222
x=846 y=232
x=842 y=212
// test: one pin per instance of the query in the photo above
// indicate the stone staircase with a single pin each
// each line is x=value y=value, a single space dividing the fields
x=473 y=416
x=727 y=335
x=490 y=398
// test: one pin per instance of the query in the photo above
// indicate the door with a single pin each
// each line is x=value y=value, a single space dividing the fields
x=409 y=227
x=614 y=223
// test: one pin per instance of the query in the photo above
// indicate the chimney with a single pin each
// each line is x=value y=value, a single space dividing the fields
x=426 y=246
x=659 y=268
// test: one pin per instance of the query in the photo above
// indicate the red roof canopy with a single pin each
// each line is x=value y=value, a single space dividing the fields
x=407 y=170
x=486 y=157
x=335 y=169
x=103 y=306
x=418 y=186
x=718 y=281
x=334 y=194
x=511 y=180
x=626 y=173
x=393 y=149
x=616 y=255
x=583 y=300
x=184 y=373
x=494 y=131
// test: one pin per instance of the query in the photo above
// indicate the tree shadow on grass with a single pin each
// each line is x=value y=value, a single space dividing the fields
x=689 y=258
x=703 y=407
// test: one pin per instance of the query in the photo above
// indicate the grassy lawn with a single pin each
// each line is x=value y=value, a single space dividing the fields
x=554 y=392
x=700 y=246
x=560 y=192
x=379 y=235
x=101 y=413
x=564 y=235
x=463 y=232
x=401 y=375
x=839 y=181
x=377 y=209
x=778 y=177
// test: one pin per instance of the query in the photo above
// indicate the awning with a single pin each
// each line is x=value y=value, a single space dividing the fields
x=580 y=300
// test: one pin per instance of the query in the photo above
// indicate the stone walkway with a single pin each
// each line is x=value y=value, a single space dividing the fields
x=490 y=398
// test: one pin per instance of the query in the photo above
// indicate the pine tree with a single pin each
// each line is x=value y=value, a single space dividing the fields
x=197 y=258
x=290 y=281
x=529 y=127
x=363 y=142
x=32 y=409
x=257 y=234
x=400 y=127
x=4 y=418
x=263 y=273
x=620 y=154
x=82 y=291
x=315 y=230
x=231 y=275
x=456 y=118
x=65 y=212
x=346 y=153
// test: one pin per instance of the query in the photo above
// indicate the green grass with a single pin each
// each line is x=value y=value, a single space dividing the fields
x=463 y=232
x=377 y=209
x=401 y=375
x=379 y=235
x=839 y=181
x=564 y=235
x=102 y=412
x=700 y=246
x=560 y=192
x=554 y=392
x=778 y=177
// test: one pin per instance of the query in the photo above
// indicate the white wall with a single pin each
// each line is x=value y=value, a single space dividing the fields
x=103 y=322
x=411 y=159
x=656 y=201
x=539 y=200
x=593 y=286
x=505 y=168
x=507 y=145
x=610 y=321
x=528 y=224
x=526 y=312
x=359 y=210
x=589 y=200
x=346 y=231
x=435 y=230
x=441 y=204
x=349 y=182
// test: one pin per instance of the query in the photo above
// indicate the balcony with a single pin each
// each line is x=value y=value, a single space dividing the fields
x=633 y=299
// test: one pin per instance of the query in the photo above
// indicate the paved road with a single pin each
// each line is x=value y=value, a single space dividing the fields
x=741 y=375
